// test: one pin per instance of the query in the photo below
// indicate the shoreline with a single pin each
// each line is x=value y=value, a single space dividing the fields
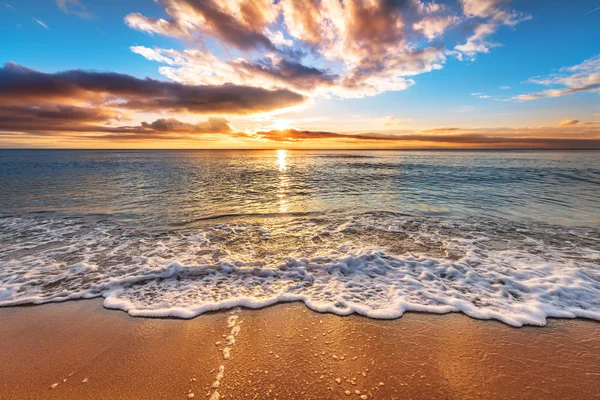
x=301 y=303
x=287 y=351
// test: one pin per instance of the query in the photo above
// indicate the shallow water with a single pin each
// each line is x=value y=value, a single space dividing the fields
x=513 y=236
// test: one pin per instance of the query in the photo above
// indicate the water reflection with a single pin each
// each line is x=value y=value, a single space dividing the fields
x=281 y=160
x=159 y=188
x=284 y=183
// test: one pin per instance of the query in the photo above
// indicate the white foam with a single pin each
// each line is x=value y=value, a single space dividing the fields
x=217 y=383
x=231 y=321
x=487 y=272
x=227 y=353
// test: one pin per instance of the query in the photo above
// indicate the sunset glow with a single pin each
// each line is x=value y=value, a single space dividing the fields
x=289 y=74
x=300 y=199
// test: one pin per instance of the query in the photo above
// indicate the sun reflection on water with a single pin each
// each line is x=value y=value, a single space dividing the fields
x=281 y=160
x=282 y=193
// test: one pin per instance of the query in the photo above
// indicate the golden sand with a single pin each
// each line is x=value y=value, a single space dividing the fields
x=289 y=352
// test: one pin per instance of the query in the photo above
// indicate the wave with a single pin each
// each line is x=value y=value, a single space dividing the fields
x=378 y=265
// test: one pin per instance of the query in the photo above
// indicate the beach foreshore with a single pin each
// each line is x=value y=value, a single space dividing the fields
x=80 y=350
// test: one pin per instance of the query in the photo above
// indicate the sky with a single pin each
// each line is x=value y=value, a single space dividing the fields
x=389 y=74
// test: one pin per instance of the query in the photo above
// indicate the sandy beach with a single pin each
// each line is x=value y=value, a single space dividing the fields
x=79 y=350
x=289 y=200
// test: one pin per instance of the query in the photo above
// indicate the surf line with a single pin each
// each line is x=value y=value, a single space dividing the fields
x=233 y=324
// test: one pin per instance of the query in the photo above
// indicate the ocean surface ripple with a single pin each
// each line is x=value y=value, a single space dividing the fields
x=517 y=238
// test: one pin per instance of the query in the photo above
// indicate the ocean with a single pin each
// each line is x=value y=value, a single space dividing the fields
x=506 y=235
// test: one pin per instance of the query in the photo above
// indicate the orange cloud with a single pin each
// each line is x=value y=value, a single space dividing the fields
x=570 y=122
x=219 y=131
x=493 y=138
x=442 y=129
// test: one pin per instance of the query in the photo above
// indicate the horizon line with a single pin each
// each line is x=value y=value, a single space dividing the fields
x=315 y=149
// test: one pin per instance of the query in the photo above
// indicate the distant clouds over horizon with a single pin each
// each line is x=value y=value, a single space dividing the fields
x=316 y=73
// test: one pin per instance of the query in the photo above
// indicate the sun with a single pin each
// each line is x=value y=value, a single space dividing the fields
x=281 y=124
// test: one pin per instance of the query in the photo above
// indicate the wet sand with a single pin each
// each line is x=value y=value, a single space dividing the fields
x=289 y=352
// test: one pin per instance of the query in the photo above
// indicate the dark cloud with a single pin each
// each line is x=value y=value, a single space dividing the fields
x=290 y=73
x=55 y=113
x=168 y=129
x=52 y=117
x=83 y=123
x=240 y=31
x=20 y=85
x=212 y=125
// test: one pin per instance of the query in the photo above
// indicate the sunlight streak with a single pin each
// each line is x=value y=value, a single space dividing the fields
x=284 y=183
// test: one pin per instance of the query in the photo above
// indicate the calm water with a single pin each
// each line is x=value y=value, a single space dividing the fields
x=508 y=235
x=171 y=188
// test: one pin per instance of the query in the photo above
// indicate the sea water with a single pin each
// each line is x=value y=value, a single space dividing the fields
x=506 y=235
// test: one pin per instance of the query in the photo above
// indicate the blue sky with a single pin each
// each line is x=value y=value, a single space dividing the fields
x=468 y=90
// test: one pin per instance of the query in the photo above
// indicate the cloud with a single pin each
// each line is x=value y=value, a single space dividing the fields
x=567 y=122
x=482 y=8
x=390 y=120
x=436 y=26
x=594 y=10
x=237 y=23
x=73 y=7
x=103 y=123
x=158 y=25
x=350 y=48
x=83 y=105
x=212 y=125
x=505 y=87
x=442 y=129
x=494 y=14
x=493 y=138
x=41 y=23
x=277 y=38
x=595 y=87
x=584 y=77
x=199 y=67
x=571 y=122
x=295 y=135
x=53 y=117
x=20 y=85
x=107 y=126
x=168 y=129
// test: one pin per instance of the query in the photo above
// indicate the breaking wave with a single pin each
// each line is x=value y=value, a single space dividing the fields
x=379 y=265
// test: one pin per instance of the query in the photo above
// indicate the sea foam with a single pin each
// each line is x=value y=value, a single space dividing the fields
x=377 y=265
